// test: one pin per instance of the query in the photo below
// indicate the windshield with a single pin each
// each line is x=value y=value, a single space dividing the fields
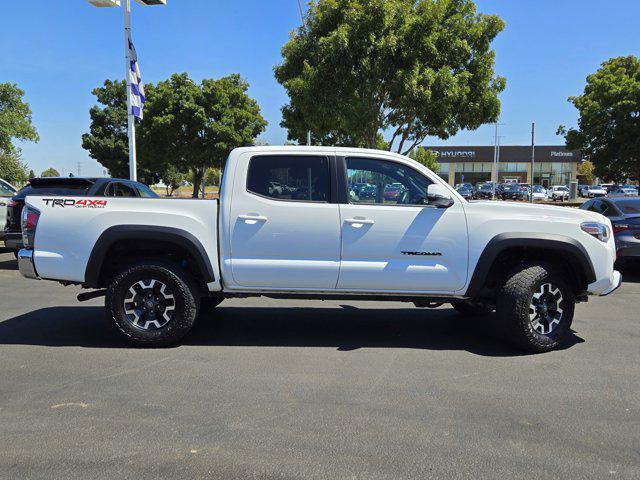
x=485 y=187
x=563 y=189
x=538 y=189
x=511 y=187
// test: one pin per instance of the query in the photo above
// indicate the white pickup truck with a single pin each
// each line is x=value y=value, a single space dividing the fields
x=291 y=223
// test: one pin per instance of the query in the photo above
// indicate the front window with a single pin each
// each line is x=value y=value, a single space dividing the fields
x=389 y=183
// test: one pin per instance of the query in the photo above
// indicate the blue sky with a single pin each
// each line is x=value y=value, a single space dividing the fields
x=58 y=51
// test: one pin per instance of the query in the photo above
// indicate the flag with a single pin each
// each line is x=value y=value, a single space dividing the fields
x=137 y=88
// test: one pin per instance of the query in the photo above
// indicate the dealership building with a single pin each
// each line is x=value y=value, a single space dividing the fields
x=554 y=164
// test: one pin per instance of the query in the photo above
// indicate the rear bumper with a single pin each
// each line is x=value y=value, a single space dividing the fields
x=13 y=240
x=26 y=265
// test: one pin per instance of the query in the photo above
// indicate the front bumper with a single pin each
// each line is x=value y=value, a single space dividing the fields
x=606 y=286
x=25 y=264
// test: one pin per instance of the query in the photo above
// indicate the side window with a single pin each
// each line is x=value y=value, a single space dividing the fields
x=118 y=189
x=596 y=206
x=606 y=209
x=290 y=177
x=144 y=191
x=372 y=181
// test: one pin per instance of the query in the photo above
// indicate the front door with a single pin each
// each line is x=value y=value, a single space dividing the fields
x=284 y=230
x=391 y=241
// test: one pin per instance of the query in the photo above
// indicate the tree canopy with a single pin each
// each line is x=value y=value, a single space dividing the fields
x=408 y=68
x=50 y=172
x=11 y=167
x=15 y=118
x=186 y=126
x=195 y=126
x=107 y=140
x=608 y=132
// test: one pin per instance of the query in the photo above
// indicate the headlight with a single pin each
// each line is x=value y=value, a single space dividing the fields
x=598 y=230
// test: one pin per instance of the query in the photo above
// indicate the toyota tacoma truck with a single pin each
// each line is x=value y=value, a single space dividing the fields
x=285 y=226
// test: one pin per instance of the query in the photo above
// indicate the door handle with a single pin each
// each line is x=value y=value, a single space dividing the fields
x=359 y=222
x=252 y=219
x=2 y=204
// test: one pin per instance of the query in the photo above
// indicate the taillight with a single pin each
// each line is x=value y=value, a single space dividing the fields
x=620 y=227
x=29 y=222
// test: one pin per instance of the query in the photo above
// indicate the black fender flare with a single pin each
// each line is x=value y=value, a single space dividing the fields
x=573 y=251
x=173 y=235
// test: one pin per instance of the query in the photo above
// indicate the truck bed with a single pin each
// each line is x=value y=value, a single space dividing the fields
x=70 y=227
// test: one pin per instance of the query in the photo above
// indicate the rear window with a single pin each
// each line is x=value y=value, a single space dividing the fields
x=290 y=177
x=629 y=207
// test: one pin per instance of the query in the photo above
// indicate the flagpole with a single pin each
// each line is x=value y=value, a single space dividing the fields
x=130 y=118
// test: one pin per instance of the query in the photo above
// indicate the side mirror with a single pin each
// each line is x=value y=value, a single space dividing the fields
x=438 y=196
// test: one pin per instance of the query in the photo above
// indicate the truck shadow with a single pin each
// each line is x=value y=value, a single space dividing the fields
x=345 y=328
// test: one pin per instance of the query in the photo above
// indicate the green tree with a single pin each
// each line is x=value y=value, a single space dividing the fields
x=15 y=118
x=408 y=68
x=195 y=126
x=50 y=172
x=173 y=179
x=428 y=158
x=586 y=172
x=32 y=174
x=11 y=167
x=107 y=140
x=608 y=132
x=212 y=176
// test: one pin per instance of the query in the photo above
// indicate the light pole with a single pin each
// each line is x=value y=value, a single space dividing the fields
x=131 y=125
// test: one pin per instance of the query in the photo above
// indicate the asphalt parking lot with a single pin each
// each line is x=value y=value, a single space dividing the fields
x=272 y=389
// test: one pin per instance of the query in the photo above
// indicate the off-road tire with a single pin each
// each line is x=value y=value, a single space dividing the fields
x=471 y=309
x=183 y=288
x=515 y=299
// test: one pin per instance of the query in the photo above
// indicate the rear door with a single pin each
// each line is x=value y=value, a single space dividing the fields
x=393 y=241
x=284 y=227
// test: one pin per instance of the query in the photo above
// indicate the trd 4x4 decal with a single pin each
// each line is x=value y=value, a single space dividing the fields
x=62 y=202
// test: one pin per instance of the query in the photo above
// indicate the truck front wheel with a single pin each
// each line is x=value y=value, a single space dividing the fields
x=535 y=307
x=152 y=303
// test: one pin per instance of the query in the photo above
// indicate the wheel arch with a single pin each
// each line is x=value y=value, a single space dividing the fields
x=505 y=250
x=122 y=241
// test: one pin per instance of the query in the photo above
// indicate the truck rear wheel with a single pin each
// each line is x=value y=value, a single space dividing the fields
x=535 y=307
x=152 y=303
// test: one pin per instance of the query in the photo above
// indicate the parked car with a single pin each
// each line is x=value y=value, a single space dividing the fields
x=558 y=192
x=582 y=190
x=6 y=192
x=159 y=262
x=57 y=187
x=483 y=191
x=593 y=191
x=624 y=214
x=622 y=192
x=465 y=192
x=539 y=193
x=393 y=191
x=468 y=186
x=513 y=191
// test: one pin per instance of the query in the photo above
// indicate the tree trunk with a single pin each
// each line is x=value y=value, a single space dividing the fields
x=197 y=179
